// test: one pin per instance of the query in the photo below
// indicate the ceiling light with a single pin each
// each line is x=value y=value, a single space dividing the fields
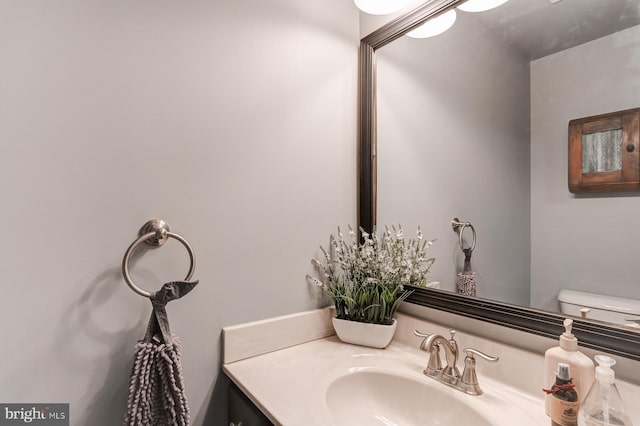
x=480 y=5
x=380 y=7
x=434 y=26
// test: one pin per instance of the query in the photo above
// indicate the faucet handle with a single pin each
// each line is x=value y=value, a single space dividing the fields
x=469 y=380
x=434 y=365
x=425 y=336
x=471 y=352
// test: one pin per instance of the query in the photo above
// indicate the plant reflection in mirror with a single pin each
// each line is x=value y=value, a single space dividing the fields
x=366 y=280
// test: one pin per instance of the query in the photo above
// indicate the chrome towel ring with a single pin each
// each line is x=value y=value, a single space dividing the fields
x=155 y=233
x=459 y=227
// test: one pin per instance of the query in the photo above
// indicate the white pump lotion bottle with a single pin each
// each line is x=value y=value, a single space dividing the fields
x=580 y=365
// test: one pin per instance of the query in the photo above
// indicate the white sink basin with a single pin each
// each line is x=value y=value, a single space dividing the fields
x=381 y=398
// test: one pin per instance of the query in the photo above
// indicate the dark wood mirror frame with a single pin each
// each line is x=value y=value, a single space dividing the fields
x=621 y=341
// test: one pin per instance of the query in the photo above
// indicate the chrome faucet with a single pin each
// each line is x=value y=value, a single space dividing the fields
x=466 y=382
x=432 y=344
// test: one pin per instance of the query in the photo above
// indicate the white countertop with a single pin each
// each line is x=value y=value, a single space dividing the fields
x=289 y=385
x=285 y=366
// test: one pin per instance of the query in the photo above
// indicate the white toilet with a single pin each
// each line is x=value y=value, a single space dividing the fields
x=604 y=308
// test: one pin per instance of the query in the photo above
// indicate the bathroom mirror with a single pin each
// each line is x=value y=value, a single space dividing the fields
x=465 y=166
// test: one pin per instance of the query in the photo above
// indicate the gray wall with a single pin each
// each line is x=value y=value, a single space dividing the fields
x=586 y=242
x=235 y=121
x=453 y=141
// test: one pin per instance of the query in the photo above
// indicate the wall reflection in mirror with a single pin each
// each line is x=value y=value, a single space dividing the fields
x=472 y=123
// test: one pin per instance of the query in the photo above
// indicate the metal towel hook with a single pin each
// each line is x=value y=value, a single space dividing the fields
x=155 y=233
x=459 y=227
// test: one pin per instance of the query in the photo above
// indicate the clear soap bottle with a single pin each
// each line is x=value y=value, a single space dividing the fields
x=603 y=406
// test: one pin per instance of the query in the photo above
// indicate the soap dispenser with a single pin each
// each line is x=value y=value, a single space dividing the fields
x=580 y=365
x=603 y=405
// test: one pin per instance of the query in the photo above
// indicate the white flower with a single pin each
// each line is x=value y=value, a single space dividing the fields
x=399 y=234
x=387 y=259
x=378 y=263
x=315 y=281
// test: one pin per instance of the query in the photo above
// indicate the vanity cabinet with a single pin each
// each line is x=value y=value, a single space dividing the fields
x=604 y=152
x=242 y=412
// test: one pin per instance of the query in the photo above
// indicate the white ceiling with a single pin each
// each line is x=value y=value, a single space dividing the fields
x=538 y=28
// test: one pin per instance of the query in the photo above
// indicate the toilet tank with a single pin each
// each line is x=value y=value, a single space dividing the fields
x=604 y=308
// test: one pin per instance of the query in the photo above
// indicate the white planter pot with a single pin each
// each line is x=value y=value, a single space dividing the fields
x=364 y=334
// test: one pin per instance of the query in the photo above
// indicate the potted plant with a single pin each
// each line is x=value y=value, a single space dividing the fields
x=366 y=281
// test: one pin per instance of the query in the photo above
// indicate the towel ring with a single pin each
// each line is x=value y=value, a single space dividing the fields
x=155 y=233
x=459 y=227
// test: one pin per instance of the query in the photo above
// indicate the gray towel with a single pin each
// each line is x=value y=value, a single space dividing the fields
x=156 y=391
